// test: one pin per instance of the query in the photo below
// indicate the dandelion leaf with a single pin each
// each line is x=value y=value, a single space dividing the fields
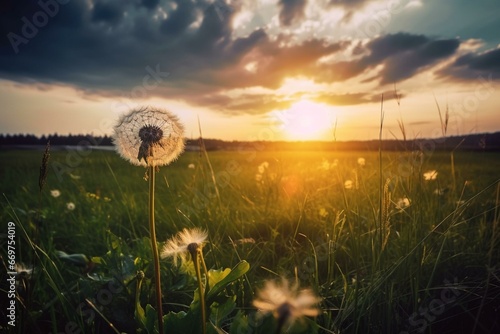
x=239 y=270
x=220 y=311
x=151 y=319
x=182 y=322
x=239 y=324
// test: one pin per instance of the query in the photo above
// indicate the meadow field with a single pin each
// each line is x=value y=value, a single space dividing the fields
x=392 y=242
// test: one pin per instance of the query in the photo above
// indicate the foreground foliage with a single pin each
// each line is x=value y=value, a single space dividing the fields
x=389 y=246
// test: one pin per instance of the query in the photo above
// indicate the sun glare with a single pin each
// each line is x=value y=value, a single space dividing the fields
x=306 y=120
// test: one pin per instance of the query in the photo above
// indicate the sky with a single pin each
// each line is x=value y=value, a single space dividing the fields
x=253 y=70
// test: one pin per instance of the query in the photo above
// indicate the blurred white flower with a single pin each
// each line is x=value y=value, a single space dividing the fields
x=262 y=167
x=191 y=166
x=178 y=246
x=23 y=270
x=55 y=193
x=70 y=206
x=149 y=137
x=430 y=175
x=402 y=203
x=286 y=303
x=361 y=161
x=348 y=184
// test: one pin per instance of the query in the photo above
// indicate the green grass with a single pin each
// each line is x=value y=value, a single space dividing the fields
x=431 y=267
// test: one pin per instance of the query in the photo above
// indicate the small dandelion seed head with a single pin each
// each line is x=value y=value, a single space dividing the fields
x=55 y=193
x=286 y=303
x=149 y=137
x=430 y=175
x=70 y=206
x=23 y=270
x=184 y=243
x=403 y=203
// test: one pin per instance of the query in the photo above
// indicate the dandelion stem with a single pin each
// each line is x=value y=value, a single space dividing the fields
x=154 y=246
x=196 y=255
x=207 y=283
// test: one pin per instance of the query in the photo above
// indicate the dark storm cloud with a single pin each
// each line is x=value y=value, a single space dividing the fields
x=291 y=11
x=473 y=66
x=355 y=98
x=401 y=55
x=107 y=11
x=151 y=4
x=185 y=50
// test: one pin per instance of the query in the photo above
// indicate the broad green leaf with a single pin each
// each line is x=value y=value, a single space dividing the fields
x=183 y=322
x=219 y=312
x=239 y=324
x=151 y=319
x=239 y=270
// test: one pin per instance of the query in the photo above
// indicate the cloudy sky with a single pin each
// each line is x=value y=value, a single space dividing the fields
x=263 y=69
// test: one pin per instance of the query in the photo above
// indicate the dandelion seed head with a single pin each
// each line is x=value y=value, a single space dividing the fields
x=191 y=166
x=23 y=270
x=70 y=206
x=149 y=137
x=402 y=203
x=430 y=175
x=348 y=184
x=179 y=246
x=55 y=193
x=285 y=302
x=361 y=161
x=263 y=167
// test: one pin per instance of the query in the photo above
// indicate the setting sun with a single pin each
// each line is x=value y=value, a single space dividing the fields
x=307 y=120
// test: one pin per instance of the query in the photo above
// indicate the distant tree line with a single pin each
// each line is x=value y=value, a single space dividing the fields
x=55 y=139
x=483 y=142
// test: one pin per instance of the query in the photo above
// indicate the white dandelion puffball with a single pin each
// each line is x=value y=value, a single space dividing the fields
x=287 y=302
x=348 y=184
x=430 y=175
x=177 y=246
x=149 y=137
x=70 y=206
x=403 y=203
x=361 y=161
x=55 y=193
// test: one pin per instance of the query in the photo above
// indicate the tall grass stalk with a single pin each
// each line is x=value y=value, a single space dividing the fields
x=381 y=179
